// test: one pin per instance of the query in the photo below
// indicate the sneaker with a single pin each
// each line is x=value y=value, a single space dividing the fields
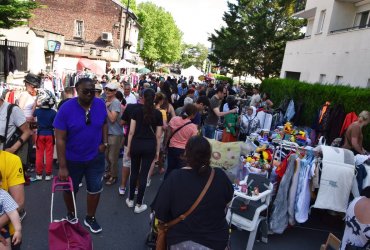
x=148 y=182
x=38 y=177
x=136 y=191
x=22 y=214
x=48 y=177
x=140 y=209
x=121 y=191
x=92 y=224
x=129 y=203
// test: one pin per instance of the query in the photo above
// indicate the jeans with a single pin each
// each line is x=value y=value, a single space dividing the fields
x=142 y=155
x=92 y=170
x=209 y=131
x=174 y=160
x=44 y=144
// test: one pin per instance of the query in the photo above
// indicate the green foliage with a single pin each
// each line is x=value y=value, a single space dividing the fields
x=223 y=78
x=14 y=13
x=254 y=39
x=315 y=95
x=162 y=38
x=193 y=55
x=132 y=6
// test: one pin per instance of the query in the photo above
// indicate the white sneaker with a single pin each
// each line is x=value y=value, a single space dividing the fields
x=121 y=191
x=48 y=177
x=129 y=203
x=148 y=182
x=140 y=209
x=38 y=177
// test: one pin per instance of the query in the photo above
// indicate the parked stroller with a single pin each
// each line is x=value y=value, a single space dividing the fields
x=151 y=238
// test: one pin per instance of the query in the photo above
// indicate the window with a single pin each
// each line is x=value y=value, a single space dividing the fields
x=321 y=21
x=79 y=28
x=361 y=19
x=338 y=80
x=292 y=75
x=322 y=78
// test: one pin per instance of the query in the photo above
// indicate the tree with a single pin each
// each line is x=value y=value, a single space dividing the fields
x=193 y=55
x=14 y=13
x=254 y=39
x=161 y=36
x=132 y=6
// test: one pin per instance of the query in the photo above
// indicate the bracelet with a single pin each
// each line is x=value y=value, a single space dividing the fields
x=20 y=140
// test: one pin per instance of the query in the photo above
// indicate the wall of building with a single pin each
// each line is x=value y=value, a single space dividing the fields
x=36 y=58
x=98 y=16
x=343 y=15
x=343 y=54
x=334 y=58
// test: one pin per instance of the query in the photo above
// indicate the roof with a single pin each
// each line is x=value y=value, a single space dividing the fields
x=130 y=11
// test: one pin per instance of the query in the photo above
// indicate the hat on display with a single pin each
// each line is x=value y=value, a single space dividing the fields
x=112 y=86
x=33 y=79
x=46 y=98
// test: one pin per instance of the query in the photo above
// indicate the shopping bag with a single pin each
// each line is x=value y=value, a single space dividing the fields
x=67 y=234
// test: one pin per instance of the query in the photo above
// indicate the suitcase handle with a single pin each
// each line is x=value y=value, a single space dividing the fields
x=59 y=185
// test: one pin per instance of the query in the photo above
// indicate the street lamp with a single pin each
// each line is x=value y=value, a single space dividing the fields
x=124 y=33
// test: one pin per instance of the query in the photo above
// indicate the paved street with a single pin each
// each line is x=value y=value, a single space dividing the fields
x=122 y=229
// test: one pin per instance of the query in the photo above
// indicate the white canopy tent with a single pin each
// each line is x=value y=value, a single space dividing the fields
x=192 y=71
x=123 y=64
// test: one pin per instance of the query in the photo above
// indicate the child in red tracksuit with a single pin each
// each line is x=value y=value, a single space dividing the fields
x=45 y=136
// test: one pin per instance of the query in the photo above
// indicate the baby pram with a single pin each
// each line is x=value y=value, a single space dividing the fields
x=152 y=235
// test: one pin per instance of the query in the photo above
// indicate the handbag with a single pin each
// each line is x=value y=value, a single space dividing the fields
x=163 y=228
x=174 y=132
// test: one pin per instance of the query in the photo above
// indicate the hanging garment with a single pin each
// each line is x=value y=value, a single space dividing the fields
x=297 y=119
x=337 y=176
x=350 y=118
x=292 y=193
x=303 y=195
x=265 y=120
x=290 y=112
x=279 y=216
x=336 y=119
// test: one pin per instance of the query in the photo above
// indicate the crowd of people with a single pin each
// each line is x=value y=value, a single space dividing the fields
x=158 y=124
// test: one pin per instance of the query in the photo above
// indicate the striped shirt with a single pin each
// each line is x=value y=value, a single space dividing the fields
x=7 y=203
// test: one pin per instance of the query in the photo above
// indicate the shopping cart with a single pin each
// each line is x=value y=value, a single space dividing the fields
x=67 y=234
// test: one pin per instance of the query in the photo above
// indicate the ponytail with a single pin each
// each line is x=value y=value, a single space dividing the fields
x=149 y=108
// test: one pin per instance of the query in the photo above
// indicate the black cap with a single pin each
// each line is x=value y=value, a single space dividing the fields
x=33 y=79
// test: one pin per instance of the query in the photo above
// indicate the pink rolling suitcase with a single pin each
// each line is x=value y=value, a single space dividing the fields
x=65 y=234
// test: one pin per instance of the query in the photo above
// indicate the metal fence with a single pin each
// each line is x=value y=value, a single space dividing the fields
x=20 y=50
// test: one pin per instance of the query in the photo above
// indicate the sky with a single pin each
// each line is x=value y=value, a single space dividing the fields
x=195 y=18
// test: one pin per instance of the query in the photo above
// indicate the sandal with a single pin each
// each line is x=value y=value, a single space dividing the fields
x=111 y=181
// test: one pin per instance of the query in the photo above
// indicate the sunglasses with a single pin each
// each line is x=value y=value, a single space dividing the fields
x=110 y=90
x=88 y=117
x=88 y=91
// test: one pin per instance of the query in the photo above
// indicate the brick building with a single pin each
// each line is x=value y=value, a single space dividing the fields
x=92 y=29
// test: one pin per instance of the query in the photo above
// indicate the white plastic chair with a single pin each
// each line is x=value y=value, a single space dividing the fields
x=258 y=202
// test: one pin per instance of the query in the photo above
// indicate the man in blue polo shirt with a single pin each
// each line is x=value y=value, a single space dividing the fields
x=81 y=138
